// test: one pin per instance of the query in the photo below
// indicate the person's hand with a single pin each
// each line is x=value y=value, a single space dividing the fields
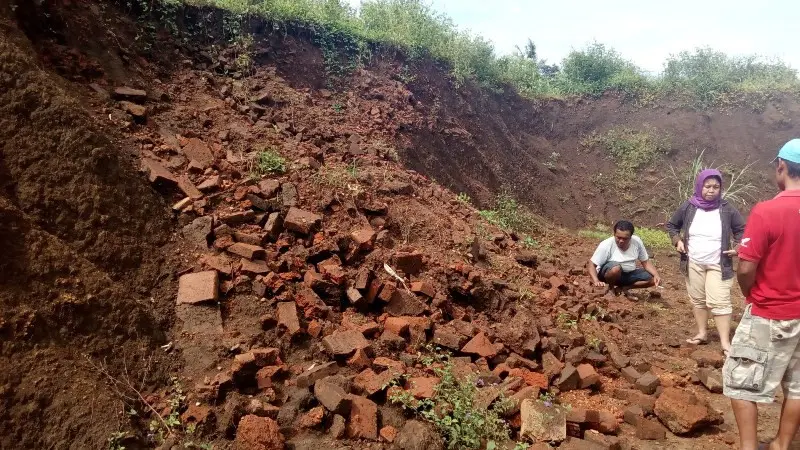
x=681 y=247
x=598 y=284
x=732 y=252
x=657 y=280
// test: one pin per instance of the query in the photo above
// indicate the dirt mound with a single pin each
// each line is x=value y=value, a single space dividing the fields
x=80 y=230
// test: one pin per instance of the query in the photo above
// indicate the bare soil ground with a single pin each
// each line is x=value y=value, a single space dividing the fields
x=94 y=249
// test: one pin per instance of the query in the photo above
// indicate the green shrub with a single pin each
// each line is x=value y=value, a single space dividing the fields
x=452 y=409
x=346 y=36
x=654 y=238
x=267 y=162
x=509 y=215
x=631 y=150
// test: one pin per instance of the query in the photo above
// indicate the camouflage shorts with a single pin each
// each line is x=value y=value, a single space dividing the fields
x=764 y=354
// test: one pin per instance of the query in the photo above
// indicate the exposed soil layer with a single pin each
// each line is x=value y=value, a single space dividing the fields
x=79 y=243
x=92 y=254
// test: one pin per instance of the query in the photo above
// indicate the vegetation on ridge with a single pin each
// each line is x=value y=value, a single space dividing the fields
x=701 y=78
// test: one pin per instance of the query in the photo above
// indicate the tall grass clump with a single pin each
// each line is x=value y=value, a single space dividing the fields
x=509 y=215
x=737 y=188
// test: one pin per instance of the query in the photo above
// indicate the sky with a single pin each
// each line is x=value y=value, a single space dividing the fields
x=645 y=32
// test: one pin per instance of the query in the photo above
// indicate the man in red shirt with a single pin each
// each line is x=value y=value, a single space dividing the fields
x=765 y=352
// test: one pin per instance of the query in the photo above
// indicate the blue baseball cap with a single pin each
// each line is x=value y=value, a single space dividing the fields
x=790 y=151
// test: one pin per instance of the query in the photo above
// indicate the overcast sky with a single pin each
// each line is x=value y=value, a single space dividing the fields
x=645 y=32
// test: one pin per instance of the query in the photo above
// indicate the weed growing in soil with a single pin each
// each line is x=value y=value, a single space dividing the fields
x=530 y=243
x=452 y=409
x=464 y=198
x=654 y=239
x=267 y=162
x=631 y=150
x=566 y=322
x=509 y=215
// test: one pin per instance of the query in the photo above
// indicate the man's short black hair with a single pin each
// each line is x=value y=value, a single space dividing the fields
x=624 y=225
x=792 y=168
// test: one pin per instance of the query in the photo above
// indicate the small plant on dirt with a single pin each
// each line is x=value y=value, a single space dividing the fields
x=595 y=344
x=115 y=441
x=566 y=321
x=267 y=162
x=452 y=409
x=191 y=445
x=352 y=169
x=552 y=161
x=631 y=150
x=509 y=215
x=599 y=232
x=654 y=239
x=464 y=198
x=529 y=243
x=338 y=108
x=175 y=401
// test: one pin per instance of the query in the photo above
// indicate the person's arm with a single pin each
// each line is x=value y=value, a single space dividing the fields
x=651 y=269
x=746 y=274
x=675 y=226
x=737 y=228
x=591 y=267
x=755 y=244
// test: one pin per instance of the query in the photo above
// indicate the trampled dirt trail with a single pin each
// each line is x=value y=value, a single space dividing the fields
x=266 y=296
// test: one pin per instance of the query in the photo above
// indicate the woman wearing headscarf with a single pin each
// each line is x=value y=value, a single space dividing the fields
x=702 y=230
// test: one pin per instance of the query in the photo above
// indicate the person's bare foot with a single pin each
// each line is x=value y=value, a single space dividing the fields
x=699 y=339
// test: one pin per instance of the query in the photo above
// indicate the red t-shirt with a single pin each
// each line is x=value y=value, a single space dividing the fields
x=772 y=240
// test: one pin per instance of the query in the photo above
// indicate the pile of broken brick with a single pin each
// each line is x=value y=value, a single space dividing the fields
x=369 y=323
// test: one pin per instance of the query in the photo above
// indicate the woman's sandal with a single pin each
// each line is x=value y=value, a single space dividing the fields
x=697 y=341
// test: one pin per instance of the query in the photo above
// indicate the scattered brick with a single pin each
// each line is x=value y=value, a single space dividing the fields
x=332 y=396
x=199 y=287
x=287 y=317
x=255 y=432
x=301 y=221
x=316 y=373
x=648 y=383
x=363 y=419
x=388 y=433
x=424 y=288
x=344 y=343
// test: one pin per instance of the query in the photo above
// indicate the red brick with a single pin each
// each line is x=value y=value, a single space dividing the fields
x=266 y=376
x=197 y=150
x=387 y=291
x=312 y=418
x=248 y=251
x=258 y=433
x=388 y=433
x=198 y=287
x=682 y=412
x=587 y=376
x=196 y=414
x=408 y=262
x=355 y=298
x=210 y=183
x=332 y=397
x=191 y=191
x=363 y=239
x=480 y=345
x=300 y=221
x=397 y=325
x=269 y=188
x=362 y=279
x=345 y=342
x=359 y=360
x=253 y=268
x=287 y=317
x=386 y=363
x=422 y=387
x=314 y=329
x=404 y=303
x=650 y=430
x=368 y=382
x=363 y=419
x=158 y=174
x=424 y=288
